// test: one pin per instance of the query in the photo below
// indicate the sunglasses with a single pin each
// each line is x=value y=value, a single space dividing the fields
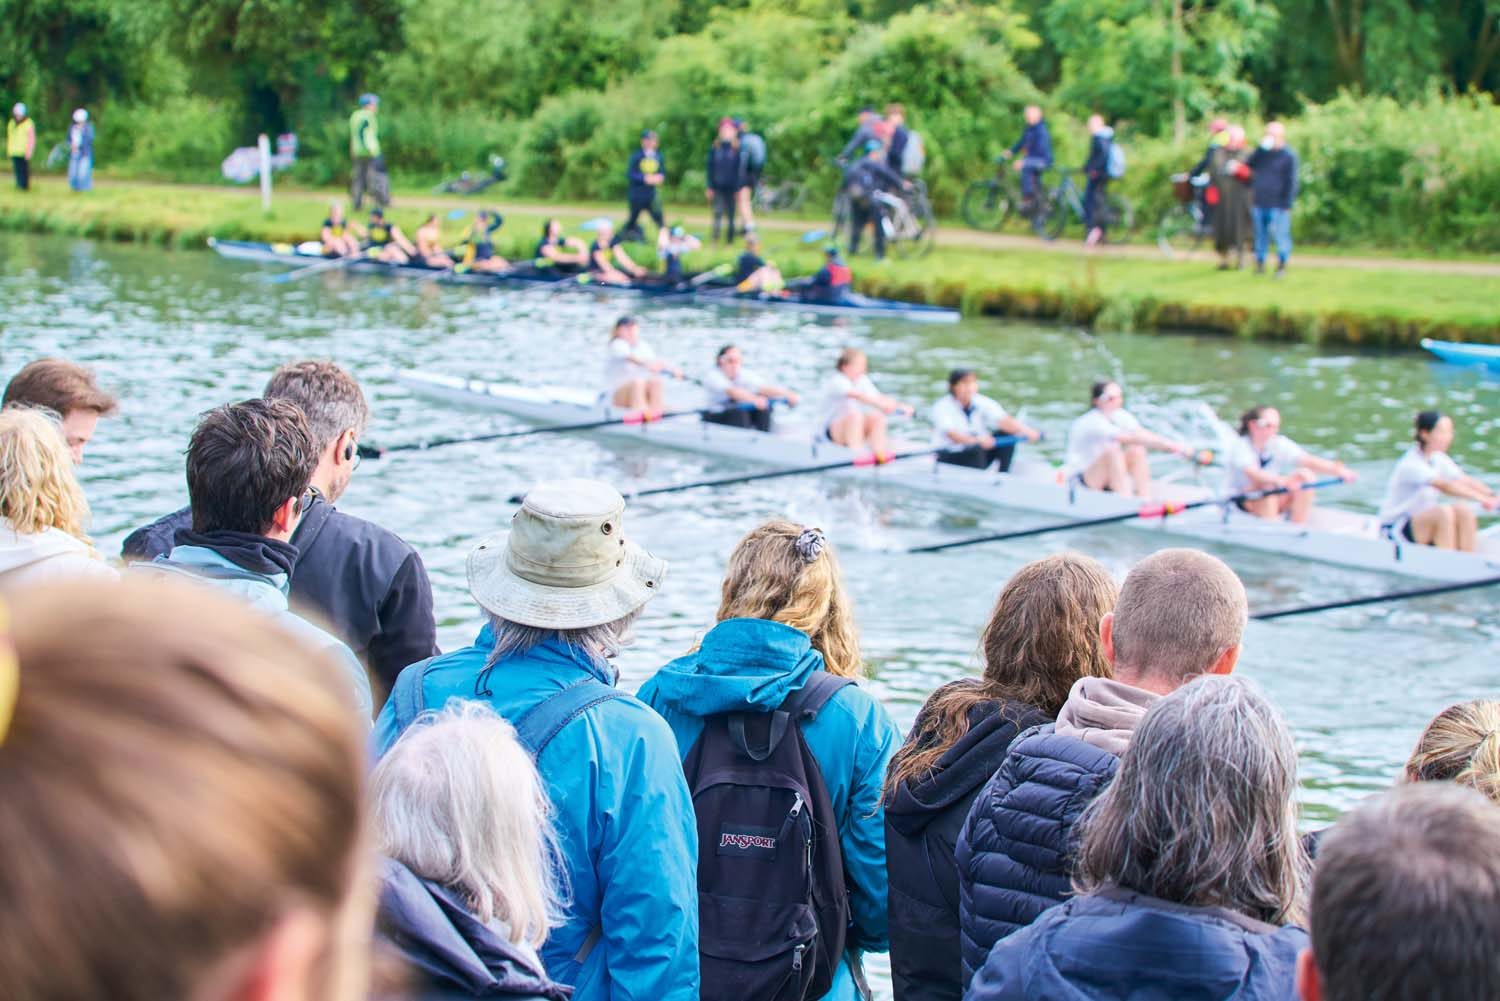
x=1261 y=422
x=304 y=502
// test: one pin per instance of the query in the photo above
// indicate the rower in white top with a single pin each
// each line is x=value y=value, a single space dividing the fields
x=854 y=411
x=738 y=397
x=632 y=373
x=1414 y=507
x=965 y=423
x=1107 y=446
x=1262 y=458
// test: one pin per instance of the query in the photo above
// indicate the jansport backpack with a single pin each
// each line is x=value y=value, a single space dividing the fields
x=1114 y=161
x=773 y=907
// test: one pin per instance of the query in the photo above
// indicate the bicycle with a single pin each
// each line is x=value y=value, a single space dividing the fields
x=1064 y=201
x=1185 y=225
x=468 y=184
x=988 y=203
x=779 y=196
x=907 y=219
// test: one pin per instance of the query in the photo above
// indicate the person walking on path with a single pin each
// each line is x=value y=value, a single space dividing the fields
x=368 y=173
x=68 y=390
x=1035 y=151
x=645 y=173
x=1231 y=198
x=725 y=171
x=560 y=593
x=81 y=152
x=20 y=144
x=1273 y=181
x=1096 y=170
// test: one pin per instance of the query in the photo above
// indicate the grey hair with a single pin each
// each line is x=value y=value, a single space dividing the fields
x=1179 y=611
x=458 y=801
x=1203 y=811
x=328 y=395
x=602 y=642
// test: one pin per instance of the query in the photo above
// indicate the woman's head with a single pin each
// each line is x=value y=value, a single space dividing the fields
x=788 y=573
x=852 y=362
x=1433 y=431
x=1260 y=424
x=1461 y=744
x=458 y=801
x=551 y=229
x=38 y=490
x=180 y=792
x=626 y=328
x=1202 y=811
x=1106 y=395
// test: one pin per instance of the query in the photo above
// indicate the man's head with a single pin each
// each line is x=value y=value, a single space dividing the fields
x=249 y=466
x=1276 y=134
x=1181 y=615
x=336 y=414
x=18 y=111
x=1033 y=113
x=1234 y=137
x=730 y=360
x=867 y=116
x=1406 y=900
x=369 y=101
x=1096 y=123
x=963 y=383
x=67 y=390
x=895 y=114
x=649 y=140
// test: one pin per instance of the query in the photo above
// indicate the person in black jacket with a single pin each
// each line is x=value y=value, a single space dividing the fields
x=862 y=180
x=644 y=175
x=1043 y=635
x=365 y=582
x=725 y=174
x=1273 y=185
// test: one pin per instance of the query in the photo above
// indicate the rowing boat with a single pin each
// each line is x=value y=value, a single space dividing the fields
x=1333 y=535
x=656 y=289
x=1456 y=353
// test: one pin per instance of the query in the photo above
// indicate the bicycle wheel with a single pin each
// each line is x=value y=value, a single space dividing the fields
x=843 y=219
x=985 y=205
x=1176 y=232
x=1121 y=215
x=926 y=222
x=1056 y=209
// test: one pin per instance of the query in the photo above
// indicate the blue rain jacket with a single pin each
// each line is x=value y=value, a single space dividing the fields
x=754 y=664
x=624 y=821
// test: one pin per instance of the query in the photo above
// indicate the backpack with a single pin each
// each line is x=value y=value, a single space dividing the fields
x=773 y=907
x=913 y=157
x=1114 y=161
x=753 y=147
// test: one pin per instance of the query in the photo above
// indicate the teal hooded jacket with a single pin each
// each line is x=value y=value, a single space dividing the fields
x=753 y=664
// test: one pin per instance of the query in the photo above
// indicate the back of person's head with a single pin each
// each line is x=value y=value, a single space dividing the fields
x=60 y=386
x=458 y=801
x=328 y=396
x=244 y=461
x=180 y=787
x=38 y=489
x=1203 y=811
x=1406 y=900
x=788 y=573
x=1042 y=636
x=1181 y=613
x=1461 y=744
x=848 y=356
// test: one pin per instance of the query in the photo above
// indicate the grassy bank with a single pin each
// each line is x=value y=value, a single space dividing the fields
x=1371 y=305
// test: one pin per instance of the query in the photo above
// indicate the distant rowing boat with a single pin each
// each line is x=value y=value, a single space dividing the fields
x=1334 y=535
x=710 y=294
x=1455 y=353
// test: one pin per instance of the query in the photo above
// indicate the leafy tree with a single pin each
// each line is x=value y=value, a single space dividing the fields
x=63 y=53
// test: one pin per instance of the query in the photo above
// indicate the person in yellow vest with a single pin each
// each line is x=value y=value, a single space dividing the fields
x=20 y=143
x=368 y=173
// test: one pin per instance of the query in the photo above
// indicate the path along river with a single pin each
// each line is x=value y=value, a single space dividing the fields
x=177 y=333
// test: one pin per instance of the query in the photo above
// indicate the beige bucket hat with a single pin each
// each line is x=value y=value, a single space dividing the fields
x=565 y=563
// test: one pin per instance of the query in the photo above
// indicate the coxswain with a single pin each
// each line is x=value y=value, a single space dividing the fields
x=1107 y=445
x=390 y=244
x=753 y=273
x=965 y=423
x=1262 y=458
x=556 y=250
x=632 y=373
x=833 y=282
x=671 y=245
x=479 y=245
x=608 y=261
x=738 y=397
x=340 y=236
x=854 y=411
x=1415 y=508
x=430 y=251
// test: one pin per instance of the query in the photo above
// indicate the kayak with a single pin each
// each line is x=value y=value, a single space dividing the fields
x=1455 y=353
x=711 y=291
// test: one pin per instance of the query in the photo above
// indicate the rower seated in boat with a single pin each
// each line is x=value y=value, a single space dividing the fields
x=854 y=411
x=479 y=244
x=555 y=250
x=1107 y=445
x=965 y=423
x=608 y=261
x=1262 y=458
x=1415 y=508
x=738 y=397
x=671 y=245
x=430 y=251
x=339 y=236
x=753 y=273
x=386 y=240
x=833 y=282
x=632 y=373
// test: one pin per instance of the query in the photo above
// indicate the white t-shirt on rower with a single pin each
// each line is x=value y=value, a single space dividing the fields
x=619 y=368
x=836 y=390
x=1410 y=490
x=1279 y=458
x=949 y=415
x=1091 y=435
x=717 y=385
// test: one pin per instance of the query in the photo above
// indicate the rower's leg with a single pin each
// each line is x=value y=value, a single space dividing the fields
x=1465 y=528
x=1263 y=507
x=655 y=396
x=1139 y=466
x=631 y=396
x=1299 y=505
x=875 y=433
x=848 y=431
x=1435 y=527
x=1108 y=472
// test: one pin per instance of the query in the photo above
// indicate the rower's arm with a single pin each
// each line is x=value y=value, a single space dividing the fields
x=774 y=392
x=1150 y=439
x=964 y=438
x=1012 y=425
x=1328 y=467
x=1464 y=488
x=739 y=395
x=626 y=262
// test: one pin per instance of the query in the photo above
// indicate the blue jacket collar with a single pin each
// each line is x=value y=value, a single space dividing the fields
x=742 y=664
x=205 y=562
x=554 y=651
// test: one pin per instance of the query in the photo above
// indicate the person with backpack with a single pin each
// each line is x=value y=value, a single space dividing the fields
x=724 y=171
x=753 y=164
x=560 y=593
x=904 y=152
x=782 y=749
x=1106 y=163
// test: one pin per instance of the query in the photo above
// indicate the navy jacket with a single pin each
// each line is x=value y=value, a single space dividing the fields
x=1015 y=853
x=1036 y=140
x=636 y=171
x=1273 y=178
x=448 y=950
x=1114 y=945
x=895 y=153
x=725 y=168
x=922 y=822
x=365 y=582
x=1096 y=167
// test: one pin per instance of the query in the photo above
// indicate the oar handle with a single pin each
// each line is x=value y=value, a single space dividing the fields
x=1375 y=599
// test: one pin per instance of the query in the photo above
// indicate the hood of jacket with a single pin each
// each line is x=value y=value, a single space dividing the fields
x=1104 y=712
x=19 y=549
x=742 y=665
x=440 y=940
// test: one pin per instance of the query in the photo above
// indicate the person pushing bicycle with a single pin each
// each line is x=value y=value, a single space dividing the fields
x=1035 y=151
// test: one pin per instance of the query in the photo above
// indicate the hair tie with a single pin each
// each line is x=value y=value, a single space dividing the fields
x=810 y=544
x=10 y=673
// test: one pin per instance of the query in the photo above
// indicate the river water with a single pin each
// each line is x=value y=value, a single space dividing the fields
x=176 y=333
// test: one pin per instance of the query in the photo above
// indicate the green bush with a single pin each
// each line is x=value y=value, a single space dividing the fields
x=183 y=137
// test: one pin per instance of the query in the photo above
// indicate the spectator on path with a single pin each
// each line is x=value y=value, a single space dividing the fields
x=725 y=170
x=1211 y=192
x=1273 y=181
x=1035 y=151
x=1406 y=900
x=43 y=513
x=20 y=144
x=1096 y=170
x=785 y=618
x=1181 y=614
x=468 y=885
x=864 y=132
x=81 y=152
x=560 y=594
x=753 y=158
x=1231 y=213
x=367 y=583
x=179 y=800
x=368 y=165
x=249 y=474
x=66 y=389
x=1190 y=872
x=1042 y=636
x=1461 y=744
x=864 y=180
x=645 y=173
x=895 y=149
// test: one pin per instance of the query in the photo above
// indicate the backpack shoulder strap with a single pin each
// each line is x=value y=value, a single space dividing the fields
x=805 y=703
x=406 y=694
x=538 y=725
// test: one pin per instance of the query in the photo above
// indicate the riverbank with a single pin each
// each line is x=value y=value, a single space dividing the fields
x=1392 y=303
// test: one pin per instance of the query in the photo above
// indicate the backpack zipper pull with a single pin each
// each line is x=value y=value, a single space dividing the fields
x=797 y=805
x=797 y=958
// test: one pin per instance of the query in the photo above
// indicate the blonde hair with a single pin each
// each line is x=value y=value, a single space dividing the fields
x=767 y=578
x=180 y=777
x=458 y=801
x=1461 y=744
x=38 y=489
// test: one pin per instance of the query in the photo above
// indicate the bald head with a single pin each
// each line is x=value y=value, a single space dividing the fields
x=1181 y=615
